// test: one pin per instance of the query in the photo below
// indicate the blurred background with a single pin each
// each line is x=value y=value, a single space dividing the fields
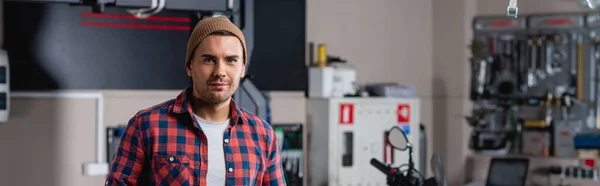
x=484 y=84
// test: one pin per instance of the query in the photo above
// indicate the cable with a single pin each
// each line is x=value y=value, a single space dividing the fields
x=143 y=13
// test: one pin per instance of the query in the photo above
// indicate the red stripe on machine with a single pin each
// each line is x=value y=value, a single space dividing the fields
x=555 y=22
x=501 y=24
x=137 y=26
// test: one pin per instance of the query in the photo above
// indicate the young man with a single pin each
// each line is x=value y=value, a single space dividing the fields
x=201 y=137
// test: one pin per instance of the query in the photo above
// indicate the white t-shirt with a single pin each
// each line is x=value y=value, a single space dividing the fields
x=216 y=156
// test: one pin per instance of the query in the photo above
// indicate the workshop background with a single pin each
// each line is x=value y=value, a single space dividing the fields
x=422 y=43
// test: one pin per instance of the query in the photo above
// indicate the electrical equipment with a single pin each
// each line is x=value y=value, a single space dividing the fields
x=345 y=133
x=4 y=86
x=113 y=138
x=508 y=171
x=320 y=82
x=331 y=81
x=290 y=137
x=532 y=76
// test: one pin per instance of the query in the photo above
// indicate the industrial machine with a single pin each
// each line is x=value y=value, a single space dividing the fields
x=4 y=76
x=345 y=133
x=144 y=8
x=241 y=12
x=533 y=83
x=4 y=86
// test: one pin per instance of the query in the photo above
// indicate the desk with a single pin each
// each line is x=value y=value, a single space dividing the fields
x=477 y=169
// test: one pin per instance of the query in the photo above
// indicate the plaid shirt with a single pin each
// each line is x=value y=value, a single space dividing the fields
x=164 y=145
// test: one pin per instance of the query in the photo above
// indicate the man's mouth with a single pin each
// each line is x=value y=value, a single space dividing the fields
x=218 y=86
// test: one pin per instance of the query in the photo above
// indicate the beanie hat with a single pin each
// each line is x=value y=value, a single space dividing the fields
x=207 y=26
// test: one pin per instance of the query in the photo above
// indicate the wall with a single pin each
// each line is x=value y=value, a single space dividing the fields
x=386 y=41
x=47 y=140
x=451 y=70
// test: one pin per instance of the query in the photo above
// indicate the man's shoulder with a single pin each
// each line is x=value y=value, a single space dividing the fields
x=257 y=122
x=160 y=108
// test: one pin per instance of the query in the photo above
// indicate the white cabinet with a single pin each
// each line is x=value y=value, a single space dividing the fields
x=345 y=133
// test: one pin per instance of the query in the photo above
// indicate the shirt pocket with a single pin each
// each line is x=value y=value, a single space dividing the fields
x=172 y=169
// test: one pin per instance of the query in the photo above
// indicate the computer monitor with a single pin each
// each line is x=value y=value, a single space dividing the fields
x=507 y=172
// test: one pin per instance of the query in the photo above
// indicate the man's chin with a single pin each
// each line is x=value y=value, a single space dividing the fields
x=218 y=98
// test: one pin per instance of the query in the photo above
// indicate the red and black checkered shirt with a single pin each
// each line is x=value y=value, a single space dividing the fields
x=164 y=145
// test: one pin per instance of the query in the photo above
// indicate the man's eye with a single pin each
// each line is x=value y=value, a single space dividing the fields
x=208 y=60
x=231 y=60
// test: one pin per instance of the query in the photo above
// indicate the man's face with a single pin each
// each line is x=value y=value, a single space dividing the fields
x=217 y=67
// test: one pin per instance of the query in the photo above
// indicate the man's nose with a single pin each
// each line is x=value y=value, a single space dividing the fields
x=219 y=70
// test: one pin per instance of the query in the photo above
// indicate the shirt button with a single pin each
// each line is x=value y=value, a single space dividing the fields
x=226 y=140
x=171 y=158
x=230 y=169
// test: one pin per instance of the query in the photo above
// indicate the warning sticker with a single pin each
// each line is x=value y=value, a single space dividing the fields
x=346 y=114
x=403 y=113
x=405 y=129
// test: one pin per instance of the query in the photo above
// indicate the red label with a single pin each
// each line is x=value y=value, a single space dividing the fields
x=559 y=22
x=501 y=24
x=590 y=163
x=346 y=113
x=403 y=113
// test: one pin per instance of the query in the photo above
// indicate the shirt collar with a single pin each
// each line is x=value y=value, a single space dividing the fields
x=183 y=105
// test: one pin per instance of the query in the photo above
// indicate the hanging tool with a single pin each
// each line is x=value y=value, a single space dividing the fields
x=548 y=57
x=597 y=80
x=480 y=68
x=559 y=57
x=512 y=10
x=549 y=104
x=531 y=69
x=541 y=58
x=580 y=58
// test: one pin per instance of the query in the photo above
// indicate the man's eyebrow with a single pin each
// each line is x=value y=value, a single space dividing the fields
x=208 y=56
x=233 y=56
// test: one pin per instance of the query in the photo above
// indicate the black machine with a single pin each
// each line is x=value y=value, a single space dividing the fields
x=149 y=6
x=410 y=176
x=508 y=171
x=114 y=19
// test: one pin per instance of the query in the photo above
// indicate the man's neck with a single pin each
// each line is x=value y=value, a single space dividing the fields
x=212 y=112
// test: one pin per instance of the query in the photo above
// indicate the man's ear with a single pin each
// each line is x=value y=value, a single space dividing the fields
x=188 y=69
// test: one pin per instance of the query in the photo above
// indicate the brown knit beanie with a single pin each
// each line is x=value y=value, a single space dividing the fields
x=207 y=26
